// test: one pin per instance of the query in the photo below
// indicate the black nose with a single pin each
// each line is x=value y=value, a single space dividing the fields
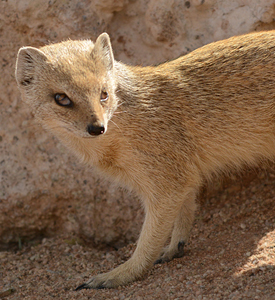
x=95 y=129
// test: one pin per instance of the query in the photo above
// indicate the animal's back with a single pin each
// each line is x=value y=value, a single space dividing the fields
x=233 y=99
x=215 y=106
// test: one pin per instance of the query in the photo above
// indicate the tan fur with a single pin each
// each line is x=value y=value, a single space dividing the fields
x=169 y=127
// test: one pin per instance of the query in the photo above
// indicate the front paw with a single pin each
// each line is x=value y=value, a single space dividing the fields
x=121 y=275
x=100 y=281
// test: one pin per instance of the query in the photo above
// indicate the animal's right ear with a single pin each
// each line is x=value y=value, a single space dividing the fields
x=27 y=60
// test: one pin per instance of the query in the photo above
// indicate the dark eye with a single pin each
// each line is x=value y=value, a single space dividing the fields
x=62 y=100
x=104 y=95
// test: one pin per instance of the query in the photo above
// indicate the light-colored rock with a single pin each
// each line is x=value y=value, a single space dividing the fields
x=44 y=190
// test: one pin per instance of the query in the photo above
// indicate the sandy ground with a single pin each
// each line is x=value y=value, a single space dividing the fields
x=231 y=255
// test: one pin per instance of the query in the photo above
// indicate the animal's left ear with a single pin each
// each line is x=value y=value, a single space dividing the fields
x=103 y=51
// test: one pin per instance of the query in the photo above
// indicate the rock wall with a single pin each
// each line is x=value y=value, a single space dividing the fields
x=43 y=190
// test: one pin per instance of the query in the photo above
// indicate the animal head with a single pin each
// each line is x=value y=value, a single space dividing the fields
x=70 y=86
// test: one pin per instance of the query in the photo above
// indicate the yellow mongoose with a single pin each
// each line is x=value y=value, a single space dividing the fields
x=160 y=131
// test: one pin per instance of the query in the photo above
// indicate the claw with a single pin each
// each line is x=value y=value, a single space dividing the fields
x=180 y=252
x=158 y=261
x=82 y=287
x=181 y=246
x=87 y=287
x=162 y=260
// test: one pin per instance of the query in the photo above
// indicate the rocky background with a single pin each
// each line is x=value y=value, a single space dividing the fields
x=43 y=190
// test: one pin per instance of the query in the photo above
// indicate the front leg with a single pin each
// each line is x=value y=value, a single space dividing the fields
x=160 y=216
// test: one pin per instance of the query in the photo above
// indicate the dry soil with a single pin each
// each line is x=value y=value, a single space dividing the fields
x=231 y=255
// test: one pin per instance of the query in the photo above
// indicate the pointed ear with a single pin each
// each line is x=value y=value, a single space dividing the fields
x=27 y=60
x=103 y=51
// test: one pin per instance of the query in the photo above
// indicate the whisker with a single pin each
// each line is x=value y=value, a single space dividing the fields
x=116 y=125
x=119 y=112
x=121 y=104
